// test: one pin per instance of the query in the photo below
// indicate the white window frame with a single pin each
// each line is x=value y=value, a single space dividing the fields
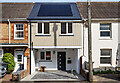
x=19 y=51
x=67 y=29
x=45 y=56
x=18 y=30
x=42 y=29
x=2 y=54
x=108 y=37
x=105 y=64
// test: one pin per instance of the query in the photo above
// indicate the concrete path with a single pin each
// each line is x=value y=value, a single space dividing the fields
x=107 y=78
x=53 y=76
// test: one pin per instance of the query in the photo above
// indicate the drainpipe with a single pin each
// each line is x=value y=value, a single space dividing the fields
x=83 y=36
x=30 y=46
x=9 y=30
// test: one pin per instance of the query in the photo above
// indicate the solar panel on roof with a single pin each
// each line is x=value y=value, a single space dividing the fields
x=55 y=10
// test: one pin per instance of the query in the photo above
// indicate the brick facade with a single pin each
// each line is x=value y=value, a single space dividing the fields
x=4 y=33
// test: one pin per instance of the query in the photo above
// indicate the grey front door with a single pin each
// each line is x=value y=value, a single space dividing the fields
x=61 y=61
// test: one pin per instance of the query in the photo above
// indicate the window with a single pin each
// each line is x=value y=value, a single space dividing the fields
x=19 y=31
x=1 y=55
x=105 y=57
x=45 y=55
x=43 y=28
x=105 y=30
x=19 y=58
x=66 y=28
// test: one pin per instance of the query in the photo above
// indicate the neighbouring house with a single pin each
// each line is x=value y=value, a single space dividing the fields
x=56 y=36
x=105 y=33
x=14 y=33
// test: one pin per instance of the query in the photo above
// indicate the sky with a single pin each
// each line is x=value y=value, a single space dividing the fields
x=56 y=0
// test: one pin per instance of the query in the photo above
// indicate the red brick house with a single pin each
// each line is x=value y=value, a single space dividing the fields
x=14 y=32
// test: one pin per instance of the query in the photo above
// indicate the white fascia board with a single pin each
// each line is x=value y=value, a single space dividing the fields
x=57 y=47
x=13 y=45
x=55 y=20
x=104 y=19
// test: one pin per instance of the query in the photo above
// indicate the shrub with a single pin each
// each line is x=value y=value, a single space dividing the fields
x=9 y=59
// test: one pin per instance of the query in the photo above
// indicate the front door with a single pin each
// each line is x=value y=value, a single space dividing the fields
x=18 y=59
x=61 y=61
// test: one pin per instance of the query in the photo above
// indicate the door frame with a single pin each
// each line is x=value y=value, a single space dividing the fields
x=65 y=59
x=15 y=55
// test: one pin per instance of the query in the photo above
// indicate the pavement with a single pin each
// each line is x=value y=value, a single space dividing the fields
x=115 y=78
x=53 y=76
x=6 y=78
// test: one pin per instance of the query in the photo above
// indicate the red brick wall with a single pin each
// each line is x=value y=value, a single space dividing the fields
x=4 y=33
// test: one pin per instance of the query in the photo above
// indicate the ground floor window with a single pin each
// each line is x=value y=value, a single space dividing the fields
x=105 y=57
x=45 y=55
x=1 y=55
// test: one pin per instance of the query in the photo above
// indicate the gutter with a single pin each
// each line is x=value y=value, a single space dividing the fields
x=104 y=19
x=9 y=30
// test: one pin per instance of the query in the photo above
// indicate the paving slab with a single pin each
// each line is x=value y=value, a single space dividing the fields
x=53 y=76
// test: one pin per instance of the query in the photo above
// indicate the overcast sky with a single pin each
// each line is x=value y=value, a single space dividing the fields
x=54 y=0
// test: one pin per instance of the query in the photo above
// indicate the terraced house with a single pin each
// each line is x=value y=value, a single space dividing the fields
x=56 y=36
x=14 y=32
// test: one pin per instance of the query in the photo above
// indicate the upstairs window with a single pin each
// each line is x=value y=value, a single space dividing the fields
x=43 y=28
x=105 y=57
x=19 y=31
x=66 y=28
x=105 y=30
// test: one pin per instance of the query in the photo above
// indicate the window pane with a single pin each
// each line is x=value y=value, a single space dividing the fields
x=105 y=33
x=104 y=26
x=19 y=58
x=46 y=28
x=42 y=55
x=106 y=52
x=69 y=27
x=48 y=55
x=63 y=28
x=19 y=26
x=105 y=60
x=39 y=27
x=19 y=34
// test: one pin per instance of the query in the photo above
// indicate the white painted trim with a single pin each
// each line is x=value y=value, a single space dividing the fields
x=12 y=45
x=2 y=52
x=57 y=46
x=42 y=29
x=104 y=19
x=55 y=20
x=9 y=30
x=67 y=29
x=19 y=30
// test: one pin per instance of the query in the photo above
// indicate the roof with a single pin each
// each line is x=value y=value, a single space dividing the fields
x=54 y=11
x=16 y=10
x=100 y=9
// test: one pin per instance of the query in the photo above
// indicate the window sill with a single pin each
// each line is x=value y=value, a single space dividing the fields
x=66 y=35
x=43 y=35
x=18 y=38
x=103 y=65
x=45 y=60
x=105 y=38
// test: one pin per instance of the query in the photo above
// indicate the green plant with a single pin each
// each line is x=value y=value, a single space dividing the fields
x=9 y=59
x=104 y=72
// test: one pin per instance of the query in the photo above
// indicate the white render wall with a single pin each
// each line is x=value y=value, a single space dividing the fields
x=72 y=53
x=101 y=43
